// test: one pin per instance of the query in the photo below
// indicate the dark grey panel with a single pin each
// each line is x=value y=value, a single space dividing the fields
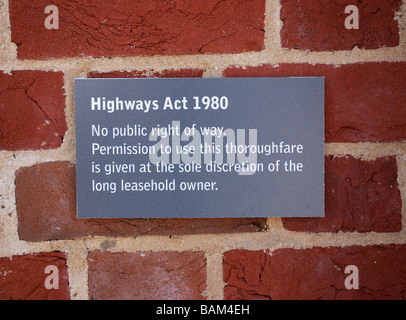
x=288 y=110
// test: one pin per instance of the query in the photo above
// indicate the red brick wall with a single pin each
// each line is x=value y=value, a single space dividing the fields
x=255 y=258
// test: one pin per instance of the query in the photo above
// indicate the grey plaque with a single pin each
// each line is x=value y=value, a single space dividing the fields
x=168 y=148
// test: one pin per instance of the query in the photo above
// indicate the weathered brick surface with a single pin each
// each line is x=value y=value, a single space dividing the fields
x=183 y=73
x=316 y=273
x=147 y=275
x=317 y=26
x=32 y=110
x=23 y=277
x=360 y=196
x=364 y=102
x=46 y=209
x=143 y=27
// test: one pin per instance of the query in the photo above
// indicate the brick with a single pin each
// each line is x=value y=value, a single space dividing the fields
x=46 y=210
x=142 y=27
x=183 y=73
x=312 y=25
x=23 y=277
x=317 y=273
x=147 y=275
x=364 y=102
x=361 y=196
x=32 y=110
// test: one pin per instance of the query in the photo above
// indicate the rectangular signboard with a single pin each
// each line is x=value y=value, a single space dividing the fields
x=171 y=148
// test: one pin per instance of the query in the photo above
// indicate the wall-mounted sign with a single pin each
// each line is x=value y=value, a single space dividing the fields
x=169 y=148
